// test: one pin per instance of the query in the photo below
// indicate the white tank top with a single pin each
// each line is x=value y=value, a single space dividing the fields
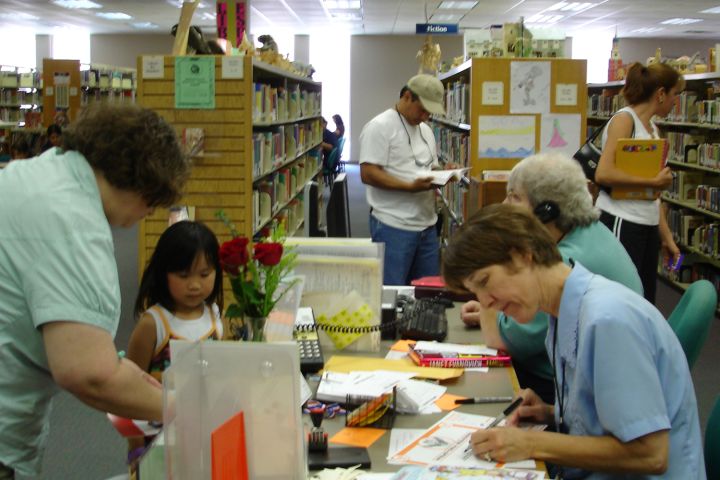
x=644 y=212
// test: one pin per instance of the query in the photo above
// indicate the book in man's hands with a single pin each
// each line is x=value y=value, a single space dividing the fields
x=426 y=355
x=441 y=177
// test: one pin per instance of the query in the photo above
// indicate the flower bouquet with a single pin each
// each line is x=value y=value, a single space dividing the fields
x=256 y=271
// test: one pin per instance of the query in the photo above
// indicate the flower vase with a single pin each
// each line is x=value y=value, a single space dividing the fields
x=255 y=329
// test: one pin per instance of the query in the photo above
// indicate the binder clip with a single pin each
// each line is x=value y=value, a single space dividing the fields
x=317 y=438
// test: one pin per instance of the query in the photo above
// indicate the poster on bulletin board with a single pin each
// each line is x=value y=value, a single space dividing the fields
x=195 y=82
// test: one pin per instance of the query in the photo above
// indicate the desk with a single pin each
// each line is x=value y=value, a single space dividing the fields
x=497 y=382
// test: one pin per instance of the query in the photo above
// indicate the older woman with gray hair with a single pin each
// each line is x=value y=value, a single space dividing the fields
x=554 y=188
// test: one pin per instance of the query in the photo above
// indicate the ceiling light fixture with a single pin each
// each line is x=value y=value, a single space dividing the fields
x=342 y=4
x=114 y=15
x=462 y=5
x=74 y=4
x=18 y=16
x=681 y=21
x=711 y=10
x=647 y=30
x=145 y=25
x=446 y=17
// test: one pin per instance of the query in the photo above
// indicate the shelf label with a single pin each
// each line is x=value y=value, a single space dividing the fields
x=195 y=82
x=493 y=93
x=232 y=67
x=153 y=66
x=566 y=94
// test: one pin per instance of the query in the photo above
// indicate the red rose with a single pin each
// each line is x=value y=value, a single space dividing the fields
x=233 y=255
x=268 y=253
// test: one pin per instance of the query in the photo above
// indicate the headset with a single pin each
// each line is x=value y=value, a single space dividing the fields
x=547 y=211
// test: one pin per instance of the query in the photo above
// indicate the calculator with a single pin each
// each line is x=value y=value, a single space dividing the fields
x=306 y=336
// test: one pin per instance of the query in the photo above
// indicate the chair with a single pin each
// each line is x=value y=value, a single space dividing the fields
x=340 y=146
x=691 y=318
x=712 y=442
x=330 y=166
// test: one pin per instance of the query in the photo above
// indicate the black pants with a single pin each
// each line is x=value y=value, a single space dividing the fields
x=642 y=243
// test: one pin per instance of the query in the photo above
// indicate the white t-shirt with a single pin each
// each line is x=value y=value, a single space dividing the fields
x=190 y=330
x=644 y=212
x=384 y=142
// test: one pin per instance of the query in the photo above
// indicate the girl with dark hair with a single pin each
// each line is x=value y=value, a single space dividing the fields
x=640 y=225
x=180 y=295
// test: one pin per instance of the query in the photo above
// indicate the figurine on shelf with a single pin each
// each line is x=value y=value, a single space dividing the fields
x=246 y=45
x=429 y=56
x=197 y=43
x=269 y=51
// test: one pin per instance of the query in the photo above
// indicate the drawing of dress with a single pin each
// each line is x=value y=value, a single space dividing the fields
x=557 y=140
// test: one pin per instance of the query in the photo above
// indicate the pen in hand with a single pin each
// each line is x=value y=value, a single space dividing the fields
x=505 y=413
x=479 y=400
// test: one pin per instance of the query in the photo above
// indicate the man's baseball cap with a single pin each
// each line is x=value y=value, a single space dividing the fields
x=430 y=90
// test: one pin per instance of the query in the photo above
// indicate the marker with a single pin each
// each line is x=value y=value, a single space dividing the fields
x=509 y=410
x=480 y=400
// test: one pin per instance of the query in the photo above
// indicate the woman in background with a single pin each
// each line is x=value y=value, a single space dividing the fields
x=640 y=225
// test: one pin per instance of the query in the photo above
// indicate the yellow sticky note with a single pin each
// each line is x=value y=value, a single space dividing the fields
x=402 y=345
x=358 y=437
x=447 y=401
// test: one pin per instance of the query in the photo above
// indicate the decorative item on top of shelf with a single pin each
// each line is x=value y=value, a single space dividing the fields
x=257 y=272
x=429 y=56
x=616 y=69
x=517 y=40
x=246 y=46
x=197 y=44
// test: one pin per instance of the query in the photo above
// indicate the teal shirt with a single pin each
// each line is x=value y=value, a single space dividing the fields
x=56 y=263
x=600 y=252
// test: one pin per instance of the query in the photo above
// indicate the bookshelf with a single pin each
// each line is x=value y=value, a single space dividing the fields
x=480 y=91
x=107 y=83
x=260 y=146
x=692 y=130
x=20 y=96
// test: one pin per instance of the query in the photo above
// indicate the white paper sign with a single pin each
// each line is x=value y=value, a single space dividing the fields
x=566 y=94
x=153 y=66
x=492 y=93
x=73 y=91
x=232 y=67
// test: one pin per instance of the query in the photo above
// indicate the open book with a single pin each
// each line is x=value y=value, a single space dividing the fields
x=441 y=177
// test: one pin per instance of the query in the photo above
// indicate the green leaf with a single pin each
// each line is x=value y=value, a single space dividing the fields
x=234 y=311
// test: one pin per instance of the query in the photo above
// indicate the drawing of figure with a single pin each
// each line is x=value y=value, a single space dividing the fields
x=557 y=140
x=527 y=84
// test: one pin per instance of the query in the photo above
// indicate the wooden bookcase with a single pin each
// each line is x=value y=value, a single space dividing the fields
x=465 y=105
x=224 y=176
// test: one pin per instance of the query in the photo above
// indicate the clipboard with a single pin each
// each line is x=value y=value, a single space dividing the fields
x=641 y=158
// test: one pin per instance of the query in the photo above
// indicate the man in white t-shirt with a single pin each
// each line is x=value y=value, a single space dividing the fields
x=396 y=147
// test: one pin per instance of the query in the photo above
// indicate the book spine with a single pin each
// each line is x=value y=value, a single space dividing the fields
x=466 y=362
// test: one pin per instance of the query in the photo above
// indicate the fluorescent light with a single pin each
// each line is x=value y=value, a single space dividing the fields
x=556 y=6
x=179 y=3
x=18 y=16
x=647 y=30
x=576 y=7
x=342 y=4
x=537 y=18
x=208 y=16
x=145 y=25
x=114 y=15
x=681 y=21
x=711 y=10
x=468 y=5
x=76 y=4
x=446 y=17
x=346 y=15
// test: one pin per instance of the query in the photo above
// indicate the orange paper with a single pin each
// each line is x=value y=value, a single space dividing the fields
x=402 y=345
x=358 y=437
x=229 y=456
x=447 y=401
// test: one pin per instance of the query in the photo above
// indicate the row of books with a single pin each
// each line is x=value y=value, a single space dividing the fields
x=20 y=80
x=271 y=193
x=685 y=108
x=691 y=272
x=605 y=103
x=89 y=96
x=683 y=224
x=457 y=101
x=10 y=97
x=95 y=78
x=452 y=146
x=708 y=197
x=684 y=185
x=277 y=104
x=272 y=148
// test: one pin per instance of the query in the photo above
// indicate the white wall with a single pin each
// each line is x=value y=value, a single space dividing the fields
x=379 y=67
x=122 y=50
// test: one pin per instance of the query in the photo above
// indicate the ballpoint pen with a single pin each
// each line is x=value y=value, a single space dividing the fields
x=509 y=410
x=479 y=400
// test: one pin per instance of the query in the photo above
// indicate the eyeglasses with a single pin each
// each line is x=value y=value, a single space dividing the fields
x=417 y=162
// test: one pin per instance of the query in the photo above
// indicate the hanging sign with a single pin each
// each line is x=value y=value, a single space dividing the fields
x=436 y=28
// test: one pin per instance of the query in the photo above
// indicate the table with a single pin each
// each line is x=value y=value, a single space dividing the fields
x=499 y=381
